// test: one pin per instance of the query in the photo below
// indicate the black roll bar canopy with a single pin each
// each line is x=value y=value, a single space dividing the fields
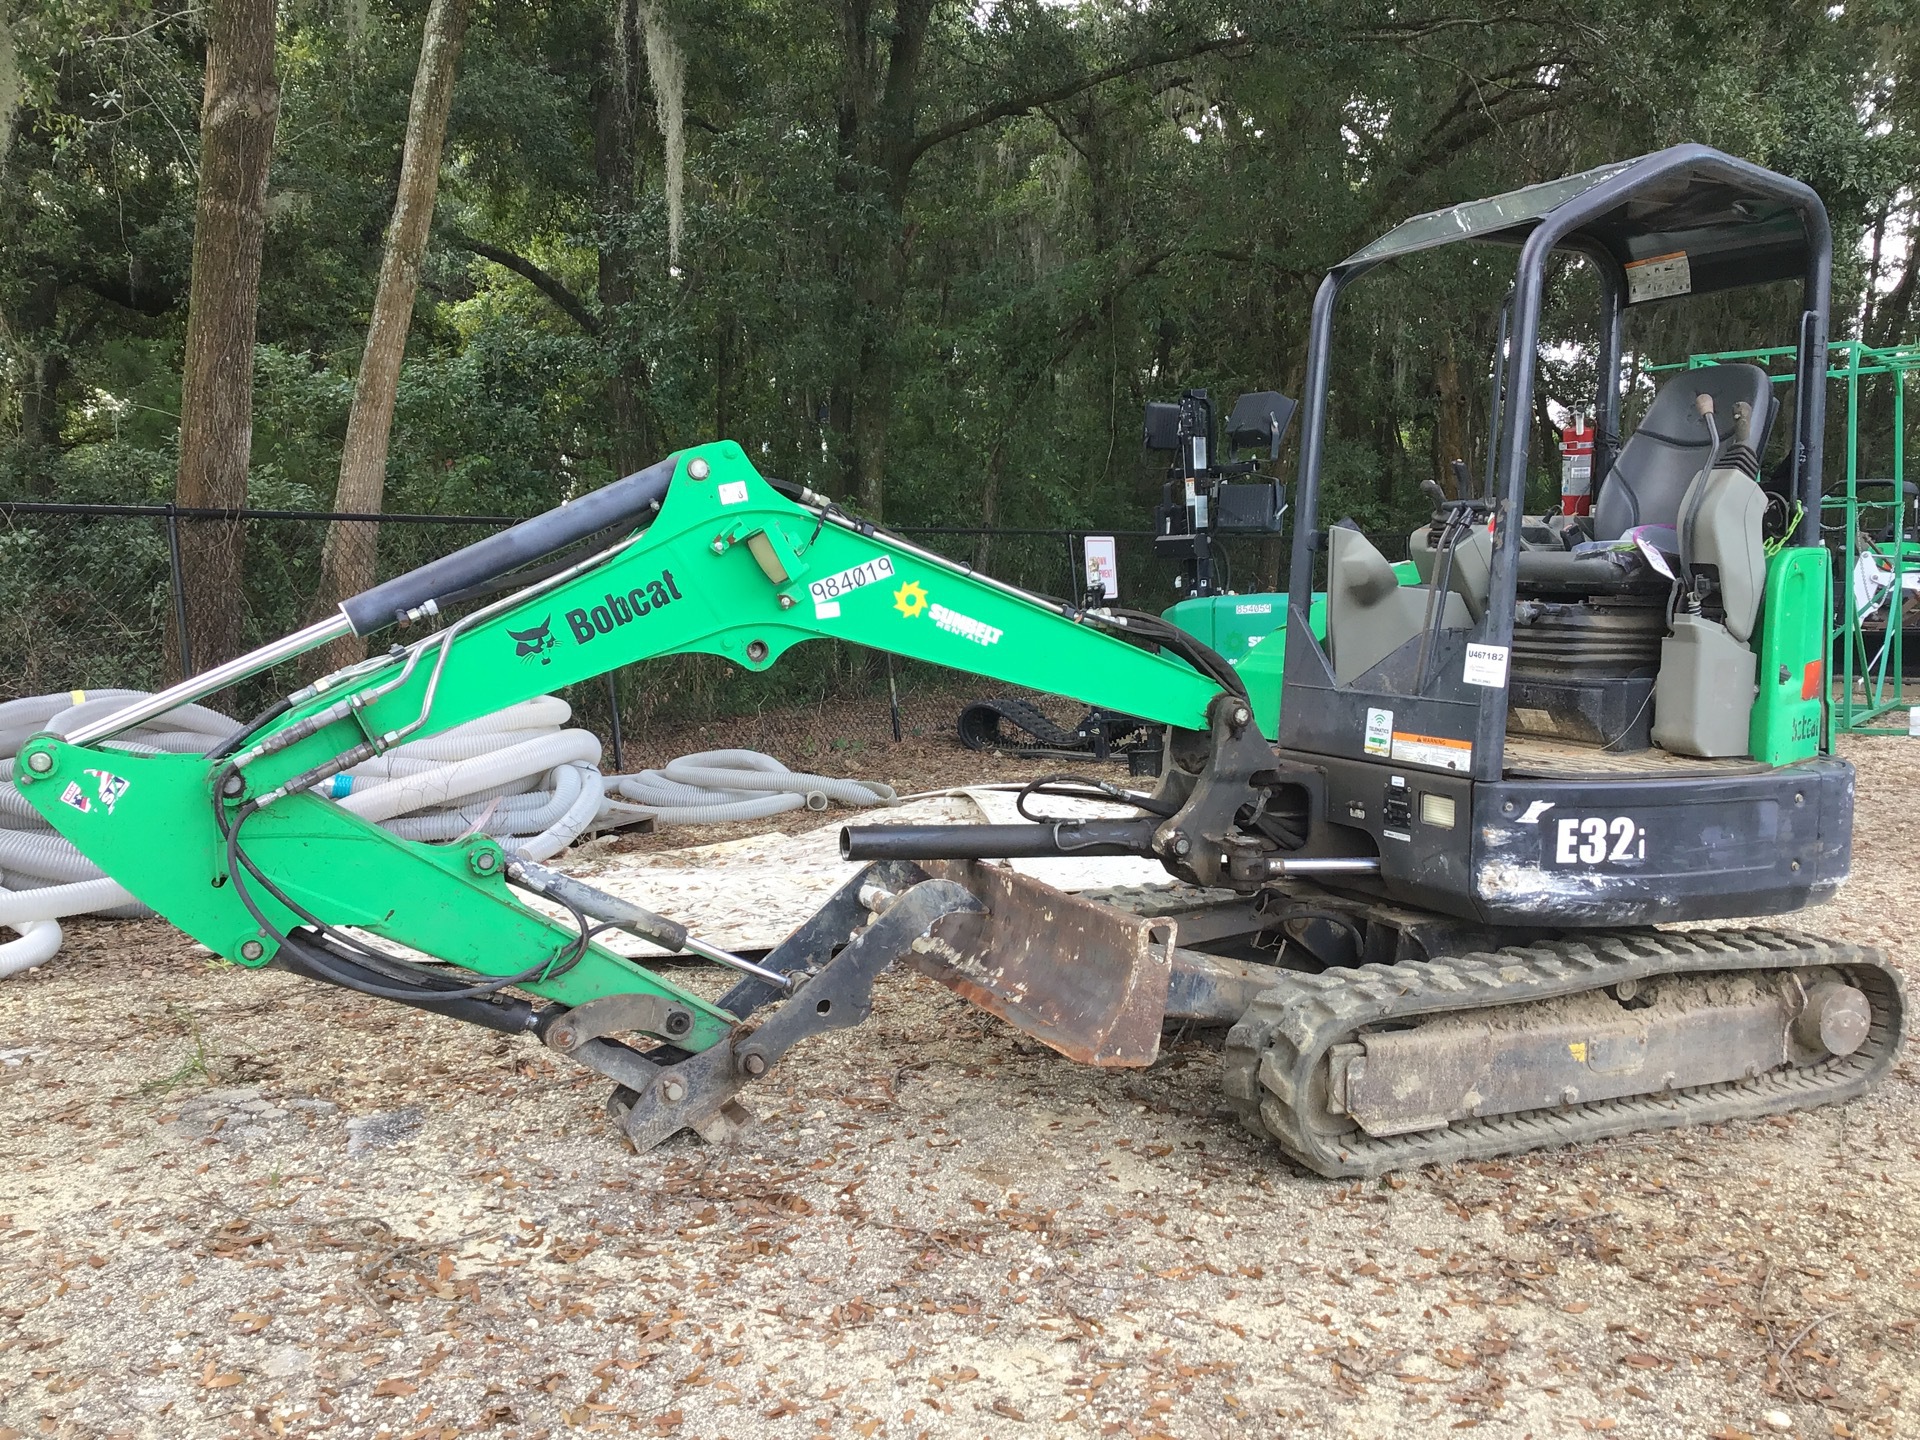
x=1683 y=221
x=1688 y=220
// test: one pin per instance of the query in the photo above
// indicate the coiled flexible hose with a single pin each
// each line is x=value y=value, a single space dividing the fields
x=517 y=775
x=718 y=785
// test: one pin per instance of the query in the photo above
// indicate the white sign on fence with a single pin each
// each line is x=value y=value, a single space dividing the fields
x=1103 y=566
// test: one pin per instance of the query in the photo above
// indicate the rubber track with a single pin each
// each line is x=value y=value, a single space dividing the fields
x=1273 y=1052
x=979 y=727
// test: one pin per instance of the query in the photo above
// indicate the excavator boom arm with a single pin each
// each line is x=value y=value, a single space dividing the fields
x=726 y=566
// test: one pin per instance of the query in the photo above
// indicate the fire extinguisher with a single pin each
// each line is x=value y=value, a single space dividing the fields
x=1576 y=467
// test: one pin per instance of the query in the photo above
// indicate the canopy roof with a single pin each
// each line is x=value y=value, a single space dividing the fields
x=1685 y=220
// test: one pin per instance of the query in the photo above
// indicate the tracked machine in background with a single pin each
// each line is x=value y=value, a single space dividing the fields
x=1428 y=906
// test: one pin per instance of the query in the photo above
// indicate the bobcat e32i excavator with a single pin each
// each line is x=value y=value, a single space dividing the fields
x=1430 y=904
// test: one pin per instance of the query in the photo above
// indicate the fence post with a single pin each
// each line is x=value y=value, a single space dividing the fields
x=1075 y=591
x=613 y=708
x=179 y=591
x=893 y=696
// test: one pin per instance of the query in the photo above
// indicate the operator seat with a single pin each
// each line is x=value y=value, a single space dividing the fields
x=1654 y=469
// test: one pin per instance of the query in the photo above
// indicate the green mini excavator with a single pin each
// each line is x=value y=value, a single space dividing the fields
x=1429 y=897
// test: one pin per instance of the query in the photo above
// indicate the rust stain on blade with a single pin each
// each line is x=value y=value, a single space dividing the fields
x=1087 y=980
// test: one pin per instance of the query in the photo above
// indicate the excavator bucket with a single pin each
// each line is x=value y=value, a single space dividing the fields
x=1088 y=980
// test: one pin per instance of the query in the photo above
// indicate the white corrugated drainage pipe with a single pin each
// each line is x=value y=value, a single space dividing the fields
x=56 y=902
x=39 y=942
x=501 y=815
x=719 y=785
x=569 y=827
x=44 y=855
x=456 y=781
x=513 y=774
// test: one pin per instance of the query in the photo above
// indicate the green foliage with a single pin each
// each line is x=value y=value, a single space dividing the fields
x=971 y=270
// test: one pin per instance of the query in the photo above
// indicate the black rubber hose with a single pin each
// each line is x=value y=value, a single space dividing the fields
x=505 y=1013
x=1203 y=657
x=238 y=861
x=997 y=842
x=239 y=737
x=624 y=502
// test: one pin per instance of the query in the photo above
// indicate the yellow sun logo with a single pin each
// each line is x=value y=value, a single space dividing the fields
x=910 y=599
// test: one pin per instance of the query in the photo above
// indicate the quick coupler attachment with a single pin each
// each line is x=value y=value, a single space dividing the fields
x=697 y=1093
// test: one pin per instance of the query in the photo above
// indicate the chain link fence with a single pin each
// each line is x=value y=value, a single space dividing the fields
x=91 y=598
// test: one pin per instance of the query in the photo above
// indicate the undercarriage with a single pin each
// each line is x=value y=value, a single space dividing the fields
x=1461 y=1043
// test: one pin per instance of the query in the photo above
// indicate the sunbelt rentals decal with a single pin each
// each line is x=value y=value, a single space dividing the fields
x=912 y=601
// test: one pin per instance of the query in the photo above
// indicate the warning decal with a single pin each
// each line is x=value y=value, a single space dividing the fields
x=1435 y=751
x=1659 y=277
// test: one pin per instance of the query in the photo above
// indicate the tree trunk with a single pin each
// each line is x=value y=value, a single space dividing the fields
x=726 y=367
x=842 y=480
x=1543 y=449
x=237 y=115
x=1451 y=409
x=46 y=366
x=347 y=563
x=636 y=434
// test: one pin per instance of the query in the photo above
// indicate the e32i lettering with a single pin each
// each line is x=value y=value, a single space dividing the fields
x=1595 y=840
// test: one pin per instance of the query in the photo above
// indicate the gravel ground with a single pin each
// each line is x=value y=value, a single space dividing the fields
x=237 y=1204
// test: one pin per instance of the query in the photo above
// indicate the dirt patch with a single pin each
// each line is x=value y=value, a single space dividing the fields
x=242 y=1204
x=916 y=765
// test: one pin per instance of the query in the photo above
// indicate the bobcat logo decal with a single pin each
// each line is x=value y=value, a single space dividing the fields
x=537 y=641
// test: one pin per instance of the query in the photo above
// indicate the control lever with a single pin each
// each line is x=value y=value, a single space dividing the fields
x=1456 y=519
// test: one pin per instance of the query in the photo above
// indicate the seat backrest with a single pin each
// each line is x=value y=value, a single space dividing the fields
x=1658 y=463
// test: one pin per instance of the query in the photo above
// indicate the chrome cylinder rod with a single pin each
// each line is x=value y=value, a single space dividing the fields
x=1328 y=866
x=737 y=962
x=206 y=683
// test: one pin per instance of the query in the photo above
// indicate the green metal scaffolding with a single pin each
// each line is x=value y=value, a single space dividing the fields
x=1866 y=684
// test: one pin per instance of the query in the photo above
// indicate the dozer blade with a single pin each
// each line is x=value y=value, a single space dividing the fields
x=1088 y=980
x=1386 y=1067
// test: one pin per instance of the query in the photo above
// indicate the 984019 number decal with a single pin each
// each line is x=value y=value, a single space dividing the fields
x=827 y=592
x=1598 y=840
